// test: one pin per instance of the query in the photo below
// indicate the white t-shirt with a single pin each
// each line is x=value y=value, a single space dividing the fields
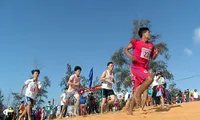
x=126 y=96
x=161 y=81
x=156 y=82
x=195 y=95
x=5 y=112
x=75 y=79
x=63 y=98
x=31 y=90
x=107 y=84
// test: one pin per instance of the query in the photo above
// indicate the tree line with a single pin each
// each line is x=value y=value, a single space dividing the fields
x=121 y=70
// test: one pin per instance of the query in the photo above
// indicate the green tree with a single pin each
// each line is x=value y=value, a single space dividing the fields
x=42 y=95
x=16 y=100
x=84 y=82
x=68 y=73
x=173 y=90
x=1 y=104
x=121 y=61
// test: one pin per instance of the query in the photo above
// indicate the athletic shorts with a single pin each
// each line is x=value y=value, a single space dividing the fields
x=106 y=92
x=28 y=99
x=70 y=94
x=140 y=74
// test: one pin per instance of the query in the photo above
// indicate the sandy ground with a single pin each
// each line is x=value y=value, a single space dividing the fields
x=184 y=111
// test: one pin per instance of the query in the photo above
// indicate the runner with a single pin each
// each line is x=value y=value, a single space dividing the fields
x=33 y=87
x=72 y=91
x=142 y=52
x=107 y=91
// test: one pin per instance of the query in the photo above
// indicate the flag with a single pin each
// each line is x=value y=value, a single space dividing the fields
x=90 y=77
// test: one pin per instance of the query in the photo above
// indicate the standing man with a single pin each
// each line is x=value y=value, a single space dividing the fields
x=143 y=50
x=72 y=91
x=33 y=87
x=107 y=79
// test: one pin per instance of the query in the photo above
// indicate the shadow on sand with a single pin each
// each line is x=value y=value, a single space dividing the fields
x=160 y=109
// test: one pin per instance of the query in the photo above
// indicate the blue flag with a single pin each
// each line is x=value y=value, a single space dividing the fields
x=90 y=77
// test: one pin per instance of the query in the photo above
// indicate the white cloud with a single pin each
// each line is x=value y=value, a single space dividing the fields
x=187 y=51
x=196 y=36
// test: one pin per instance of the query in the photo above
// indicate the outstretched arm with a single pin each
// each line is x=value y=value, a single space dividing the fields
x=103 y=76
x=155 y=54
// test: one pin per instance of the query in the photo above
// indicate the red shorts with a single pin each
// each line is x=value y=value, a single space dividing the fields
x=139 y=76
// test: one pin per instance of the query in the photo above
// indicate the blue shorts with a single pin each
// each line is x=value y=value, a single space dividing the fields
x=28 y=99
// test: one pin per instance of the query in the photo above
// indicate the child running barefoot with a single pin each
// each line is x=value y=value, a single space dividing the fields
x=143 y=50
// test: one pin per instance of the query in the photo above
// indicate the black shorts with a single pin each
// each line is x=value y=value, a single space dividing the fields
x=106 y=92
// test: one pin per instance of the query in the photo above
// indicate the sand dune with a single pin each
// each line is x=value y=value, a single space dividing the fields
x=184 y=111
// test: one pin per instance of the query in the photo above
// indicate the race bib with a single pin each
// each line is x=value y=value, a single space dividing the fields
x=32 y=89
x=145 y=53
x=109 y=85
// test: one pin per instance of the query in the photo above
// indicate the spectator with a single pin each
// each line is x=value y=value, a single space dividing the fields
x=187 y=94
x=49 y=111
x=21 y=108
x=83 y=110
x=196 y=97
x=43 y=114
x=149 y=102
x=90 y=103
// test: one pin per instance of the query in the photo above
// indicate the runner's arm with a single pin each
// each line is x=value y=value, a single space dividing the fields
x=128 y=53
x=77 y=84
x=70 y=82
x=155 y=54
x=61 y=99
x=114 y=82
x=38 y=86
x=103 y=76
x=22 y=90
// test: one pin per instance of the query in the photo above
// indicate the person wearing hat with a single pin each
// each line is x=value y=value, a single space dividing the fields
x=159 y=86
x=33 y=86
x=155 y=84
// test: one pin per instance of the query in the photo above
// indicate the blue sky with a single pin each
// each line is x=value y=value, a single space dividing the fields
x=86 y=33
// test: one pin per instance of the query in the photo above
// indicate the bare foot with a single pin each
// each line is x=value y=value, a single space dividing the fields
x=129 y=113
x=165 y=107
x=75 y=115
x=125 y=109
x=143 y=111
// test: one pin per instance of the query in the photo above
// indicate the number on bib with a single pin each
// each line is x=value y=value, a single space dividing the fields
x=32 y=89
x=145 y=53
